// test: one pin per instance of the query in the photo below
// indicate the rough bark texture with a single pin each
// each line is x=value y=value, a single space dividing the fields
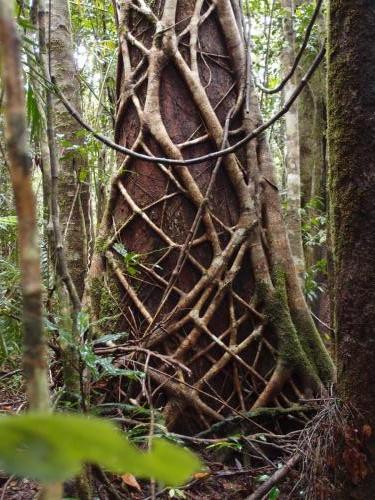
x=73 y=190
x=214 y=300
x=292 y=143
x=351 y=133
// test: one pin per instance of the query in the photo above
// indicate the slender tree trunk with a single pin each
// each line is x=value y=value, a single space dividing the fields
x=68 y=295
x=41 y=143
x=312 y=127
x=67 y=291
x=35 y=359
x=292 y=143
x=197 y=258
x=73 y=185
x=312 y=122
x=35 y=353
x=351 y=143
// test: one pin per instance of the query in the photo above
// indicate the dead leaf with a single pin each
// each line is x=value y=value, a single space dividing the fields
x=131 y=481
x=201 y=475
x=366 y=431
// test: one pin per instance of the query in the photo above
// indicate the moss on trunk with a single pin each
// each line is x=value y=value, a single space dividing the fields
x=351 y=142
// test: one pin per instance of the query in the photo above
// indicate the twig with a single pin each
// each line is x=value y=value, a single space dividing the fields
x=10 y=374
x=309 y=28
x=260 y=492
x=5 y=487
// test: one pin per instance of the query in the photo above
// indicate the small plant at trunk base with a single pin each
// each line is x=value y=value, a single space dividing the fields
x=98 y=366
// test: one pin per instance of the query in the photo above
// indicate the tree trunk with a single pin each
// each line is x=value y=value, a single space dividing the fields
x=35 y=360
x=312 y=127
x=292 y=143
x=197 y=258
x=35 y=363
x=68 y=297
x=312 y=123
x=351 y=144
x=73 y=186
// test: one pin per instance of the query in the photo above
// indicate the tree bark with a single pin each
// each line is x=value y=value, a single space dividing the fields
x=67 y=290
x=213 y=284
x=351 y=144
x=73 y=185
x=292 y=143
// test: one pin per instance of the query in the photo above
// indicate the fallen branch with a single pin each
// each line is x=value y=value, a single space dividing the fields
x=260 y=492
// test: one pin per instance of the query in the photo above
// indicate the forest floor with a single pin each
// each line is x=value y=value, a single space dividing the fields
x=228 y=474
x=220 y=484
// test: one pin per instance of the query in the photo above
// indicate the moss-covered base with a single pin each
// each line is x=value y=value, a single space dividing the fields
x=295 y=351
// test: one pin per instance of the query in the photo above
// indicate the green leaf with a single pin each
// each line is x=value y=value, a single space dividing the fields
x=274 y=493
x=89 y=358
x=34 y=117
x=171 y=464
x=49 y=326
x=235 y=445
x=111 y=337
x=110 y=369
x=131 y=259
x=83 y=322
x=8 y=222
x=120 y=249
x=127 y=408
x=176 y=493
x=67 y=337
x=25 y=23
x=48 y=448
x=83 y=174
x=92 y=361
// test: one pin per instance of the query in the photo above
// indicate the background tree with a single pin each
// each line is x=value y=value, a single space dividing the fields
x=312 y=123
x=292 y=141
x=73 y=182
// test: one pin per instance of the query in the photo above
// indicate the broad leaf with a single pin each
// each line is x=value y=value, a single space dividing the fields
x=48 y=447
x=111 y=337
